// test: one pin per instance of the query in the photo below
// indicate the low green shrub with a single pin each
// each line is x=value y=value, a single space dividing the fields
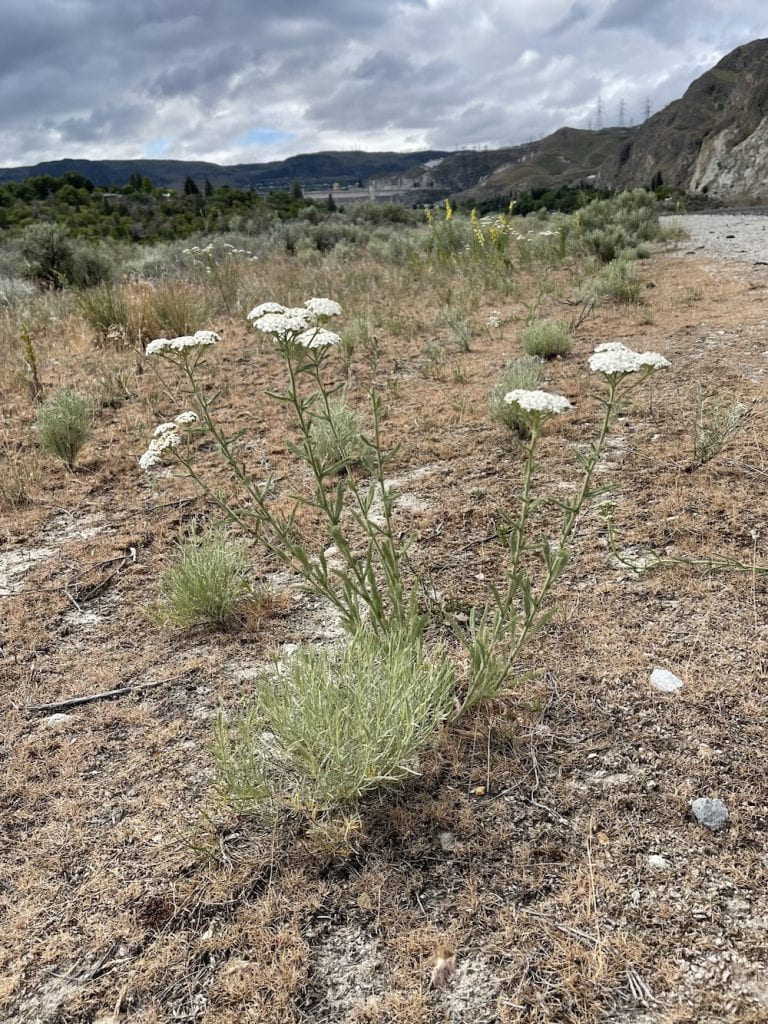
x=206 y=585
x=615 y=282
x=333 y=724
x=524 y=373
x=64 y=423
x=546 y=339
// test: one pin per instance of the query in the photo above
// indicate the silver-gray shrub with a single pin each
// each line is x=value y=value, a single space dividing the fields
x=64 y=423
x=525 y=374
x=332 y=724
x=207 y=583
x=546 y=338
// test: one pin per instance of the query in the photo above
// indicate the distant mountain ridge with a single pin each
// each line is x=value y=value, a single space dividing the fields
x=714 y=140
x=311 y=169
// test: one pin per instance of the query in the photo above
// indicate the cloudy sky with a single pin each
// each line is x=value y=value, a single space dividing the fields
x=252 y=80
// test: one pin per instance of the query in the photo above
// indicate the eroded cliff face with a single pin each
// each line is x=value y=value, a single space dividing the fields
x=728 y=169
x=714 y=138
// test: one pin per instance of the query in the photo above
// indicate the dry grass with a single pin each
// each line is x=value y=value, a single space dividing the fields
x=522 y=846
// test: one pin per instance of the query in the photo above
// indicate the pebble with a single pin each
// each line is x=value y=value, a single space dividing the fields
x=657 y=862
x=665 y=681
x=712 y=813
x=447 y=842
x=57 y=721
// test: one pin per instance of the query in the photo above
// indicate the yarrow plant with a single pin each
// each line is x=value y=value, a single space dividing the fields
x=368 y=588
x=498 y=631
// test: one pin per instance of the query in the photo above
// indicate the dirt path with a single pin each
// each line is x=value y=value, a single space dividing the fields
x=730 y=236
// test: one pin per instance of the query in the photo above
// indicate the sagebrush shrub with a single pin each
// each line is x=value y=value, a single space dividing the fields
x=207 y=583
x=615 y=282
x=48 y=253
x=64 y=423
x=546 y=339
x=524 y=373
x=333 y=724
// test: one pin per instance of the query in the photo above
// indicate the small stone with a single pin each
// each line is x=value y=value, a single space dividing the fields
x=657 y=862
x=57 y=721
x=710 y=812
x=665 y=681
x=447 y=842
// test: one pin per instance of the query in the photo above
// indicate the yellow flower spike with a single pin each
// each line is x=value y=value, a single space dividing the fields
x=448 y=210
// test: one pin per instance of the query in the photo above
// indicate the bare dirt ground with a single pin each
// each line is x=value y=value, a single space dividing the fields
x=523 y=847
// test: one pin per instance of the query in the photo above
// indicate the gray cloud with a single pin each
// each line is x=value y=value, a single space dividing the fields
x=230 y=80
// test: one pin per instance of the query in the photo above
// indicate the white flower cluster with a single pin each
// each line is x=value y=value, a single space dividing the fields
x=613 y=358
x=210 y=249
x=200 y=339
x=323 y=307
x=537 y=401
x=165 y=436
x=317 y=337
x=494 y=318
x=302 y=323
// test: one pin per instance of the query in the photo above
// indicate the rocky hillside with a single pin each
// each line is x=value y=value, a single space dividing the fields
x=566 y=157
x=713 y=140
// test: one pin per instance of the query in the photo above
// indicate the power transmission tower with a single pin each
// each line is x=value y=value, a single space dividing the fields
x=647 y=110
x=622 y=113
x=599 y=113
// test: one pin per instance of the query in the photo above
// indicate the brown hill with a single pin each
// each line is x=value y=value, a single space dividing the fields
x=714 y=139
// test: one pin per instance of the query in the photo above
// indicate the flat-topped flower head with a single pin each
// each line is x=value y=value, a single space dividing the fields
x=286 y=322
x=264 y=308
x=165 y=436
x=614 y=359
x=200 y=339
x=184 y=419
x=537 y=402
x=323 y=307
x=317 y=337
x=163 y=428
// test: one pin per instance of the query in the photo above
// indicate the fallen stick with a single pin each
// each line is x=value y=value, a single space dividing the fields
x=72 y=702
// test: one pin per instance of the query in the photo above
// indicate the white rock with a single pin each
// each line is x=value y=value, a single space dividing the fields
x=57 y=721
x=712 y=813
x=657 y=862
x=447 y=841
x=665 y=681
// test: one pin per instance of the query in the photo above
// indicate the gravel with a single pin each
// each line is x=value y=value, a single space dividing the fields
x=734 y=236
